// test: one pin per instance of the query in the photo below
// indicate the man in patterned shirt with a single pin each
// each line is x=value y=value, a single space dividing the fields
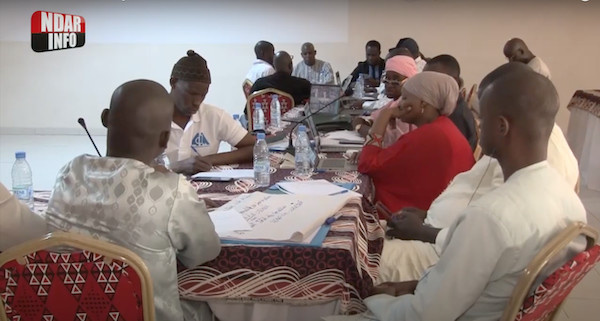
x=124 y=199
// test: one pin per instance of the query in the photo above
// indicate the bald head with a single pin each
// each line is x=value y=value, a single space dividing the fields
x=308 y=53
x=283 y=62
x=498 y=73
x=516 y=50
x=398 y=52
x=518 y=109
x=138 y=121
x=264 y=50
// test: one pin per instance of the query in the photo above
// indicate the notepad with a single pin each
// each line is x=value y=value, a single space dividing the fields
x=313 y=187
x=228 y=173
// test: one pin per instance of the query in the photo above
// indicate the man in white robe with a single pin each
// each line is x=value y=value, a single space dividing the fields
x=516 y=50
x=312 y=69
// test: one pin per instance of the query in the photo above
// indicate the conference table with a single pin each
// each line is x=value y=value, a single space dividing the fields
x=282 y=280
x=583 y=135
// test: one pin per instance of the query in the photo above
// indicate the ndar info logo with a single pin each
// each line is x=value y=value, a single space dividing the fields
x=56 y=31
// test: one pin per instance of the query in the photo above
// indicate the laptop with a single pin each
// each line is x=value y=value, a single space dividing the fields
x=321 y=95
x=328 y=164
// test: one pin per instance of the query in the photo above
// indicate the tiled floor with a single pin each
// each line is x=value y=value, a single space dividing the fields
x=46 y=155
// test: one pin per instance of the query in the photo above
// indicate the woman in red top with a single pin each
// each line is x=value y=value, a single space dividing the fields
x=417 y=168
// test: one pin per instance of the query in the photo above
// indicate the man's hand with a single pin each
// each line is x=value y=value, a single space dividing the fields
x=160 y=168
x=371 y=82
x=405 y=225
x=395 y=288
x=192 y=165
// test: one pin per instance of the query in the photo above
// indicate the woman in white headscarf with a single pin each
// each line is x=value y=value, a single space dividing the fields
x=419 y=165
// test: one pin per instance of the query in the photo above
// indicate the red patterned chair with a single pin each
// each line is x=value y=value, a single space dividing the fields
x=246 y=87
x=549 y=296
x=69 y=277
x=264 y=98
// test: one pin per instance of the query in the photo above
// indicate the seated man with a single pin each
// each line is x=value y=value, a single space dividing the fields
x=263 y=65
x=496 y=237
x=18 y=223
x=198 y=129
x=372 y=66
x=123 y=199
x=462 y=116
x=413 y=48
x=516 y=50
x=314 y=70
x=420 y=244
x=283 y=80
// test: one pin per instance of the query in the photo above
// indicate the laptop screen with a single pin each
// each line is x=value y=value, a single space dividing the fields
x=321 y=95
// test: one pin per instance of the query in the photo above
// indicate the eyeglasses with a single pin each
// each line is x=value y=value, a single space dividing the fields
x=392 y=82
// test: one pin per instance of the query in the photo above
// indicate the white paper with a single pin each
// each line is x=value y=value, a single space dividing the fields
x=345 y=135
x=228 y=173
x=316 y=187
x=228 y=221
x=283 y=217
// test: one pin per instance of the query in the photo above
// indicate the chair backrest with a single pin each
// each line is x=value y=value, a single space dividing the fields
x=66 y=276
x=247 y=87
x=264 y=98
x=548 y=296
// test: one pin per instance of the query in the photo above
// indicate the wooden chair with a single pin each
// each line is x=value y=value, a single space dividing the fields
x=549 y=296
x=264 y=98
x=66 y=276
x=247 y=87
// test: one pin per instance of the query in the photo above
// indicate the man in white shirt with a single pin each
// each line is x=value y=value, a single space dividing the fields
x=408 y=256
x=198 y=128
x=263 y=65
x=516 y=50
x=18 y=223
x=314 y=70
x=496 y=236
x=124 y=199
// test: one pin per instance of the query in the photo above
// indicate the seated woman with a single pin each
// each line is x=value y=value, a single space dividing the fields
x=397 y=70
x=419 y=165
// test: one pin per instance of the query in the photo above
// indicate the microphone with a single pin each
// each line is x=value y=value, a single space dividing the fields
x=81 y=122
x=290 y=149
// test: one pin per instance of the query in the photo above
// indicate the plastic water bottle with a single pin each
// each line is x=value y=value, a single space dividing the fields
x=261 y=161
x=359 y=86
x=258 y=118
x=275 y=112
x=303 y=153
x=22 y=183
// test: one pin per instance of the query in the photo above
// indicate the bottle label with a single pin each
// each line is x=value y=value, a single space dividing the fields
x=23 y=193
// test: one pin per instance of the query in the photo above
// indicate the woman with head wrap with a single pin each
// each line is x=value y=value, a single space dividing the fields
x=198 y=128
x=419 y=165
x=397 y=70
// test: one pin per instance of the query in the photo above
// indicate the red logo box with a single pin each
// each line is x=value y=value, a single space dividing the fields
x=56 y=31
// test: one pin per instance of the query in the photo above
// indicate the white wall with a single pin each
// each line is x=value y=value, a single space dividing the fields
x=47 y=92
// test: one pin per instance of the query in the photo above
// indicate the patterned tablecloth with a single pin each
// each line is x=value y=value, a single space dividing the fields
x=344 y=268
x=588 y=100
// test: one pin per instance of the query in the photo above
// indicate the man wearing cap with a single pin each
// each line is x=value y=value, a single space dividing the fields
x=197 y=128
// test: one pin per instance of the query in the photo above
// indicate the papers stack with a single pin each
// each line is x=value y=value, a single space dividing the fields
x=276 y=218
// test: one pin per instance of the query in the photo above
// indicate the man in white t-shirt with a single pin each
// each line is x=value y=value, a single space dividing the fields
x=516 y=50
x=263 y=65
x=198 y=129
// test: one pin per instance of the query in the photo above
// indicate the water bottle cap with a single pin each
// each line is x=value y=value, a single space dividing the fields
x=236 y=116
x=301 y=128
x=260 y=136
x=19 y=155
x=274 y=97
x=257 y=106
